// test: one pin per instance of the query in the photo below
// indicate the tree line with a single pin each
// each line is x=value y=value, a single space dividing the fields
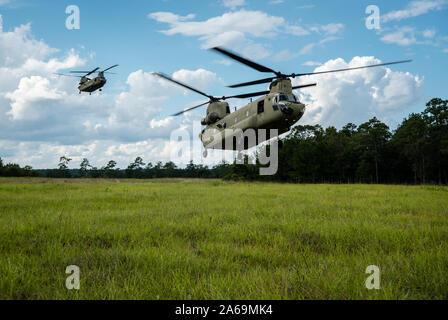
x=415 y=153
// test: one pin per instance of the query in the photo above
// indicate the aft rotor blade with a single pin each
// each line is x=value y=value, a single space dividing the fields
x=189 y=109
x=348 y=69
x=242 y=60
x=251 y=83
x=260 y=93
x=304 y=86
x=161 y=75
x=114 y=66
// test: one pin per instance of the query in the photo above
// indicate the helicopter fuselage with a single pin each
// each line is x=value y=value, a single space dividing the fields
x=91 y=85
x=280 y=109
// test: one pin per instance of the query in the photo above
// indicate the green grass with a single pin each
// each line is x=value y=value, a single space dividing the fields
x=207 y=239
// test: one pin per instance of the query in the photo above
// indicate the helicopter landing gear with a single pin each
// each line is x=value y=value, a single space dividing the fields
x=205 y=153
x=280 y=143
x=79 y=92
x=101 y=90
x=90 y=93
x=239 y=156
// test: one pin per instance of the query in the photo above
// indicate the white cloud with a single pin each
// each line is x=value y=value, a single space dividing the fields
x=404 y=36
x=254 y=23
x=309 y=47
x=32 y=92
x=414 y=9
x=428 y=33
x=333 y=28
x=235 y=30
x=44 y=117
x=355 y=96
x=232 y=4
x=285 y=55
x=306 y=6
x=200 y=78
x=297 y=30
x=311 y=63
x=19 y=45
x=225 y=62
x=328 y=29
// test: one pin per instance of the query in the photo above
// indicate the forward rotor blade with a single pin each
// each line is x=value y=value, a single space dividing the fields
x=114 y=66
x=67 y=75
x=161 y=75
x=87 y=73
x=189 y=109
x=251 y=83
x=247 y=95
x=242 y=60
x=304 y=86
x=348 y=69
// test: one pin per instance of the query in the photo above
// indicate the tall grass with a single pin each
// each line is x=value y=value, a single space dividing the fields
x=199 y=239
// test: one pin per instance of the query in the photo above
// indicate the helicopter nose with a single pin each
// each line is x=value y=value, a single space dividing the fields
x=286 y=109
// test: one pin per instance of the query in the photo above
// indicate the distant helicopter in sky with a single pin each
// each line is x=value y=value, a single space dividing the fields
x=90 y=85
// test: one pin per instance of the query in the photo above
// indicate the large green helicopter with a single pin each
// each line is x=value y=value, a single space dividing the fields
x=277 y=108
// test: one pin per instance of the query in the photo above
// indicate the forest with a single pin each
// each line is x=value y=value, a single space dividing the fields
x=415 y=153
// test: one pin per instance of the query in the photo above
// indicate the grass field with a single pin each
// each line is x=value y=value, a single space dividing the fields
x=207 y=239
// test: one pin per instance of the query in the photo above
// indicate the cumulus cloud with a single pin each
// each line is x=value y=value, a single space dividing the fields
x=201 y=79
x=236 y=30
x=355 y=96
x=31 y=90
x=44 y=117
x=414 y=9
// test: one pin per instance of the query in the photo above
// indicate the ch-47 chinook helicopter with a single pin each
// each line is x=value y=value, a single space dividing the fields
x=90 y=85
x=278 y=108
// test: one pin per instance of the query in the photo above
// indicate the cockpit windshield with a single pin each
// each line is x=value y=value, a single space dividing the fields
x=286 y=97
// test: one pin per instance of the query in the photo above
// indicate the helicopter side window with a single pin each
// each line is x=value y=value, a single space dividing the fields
x=275 y=107
x=228 y=109
x=260 y=107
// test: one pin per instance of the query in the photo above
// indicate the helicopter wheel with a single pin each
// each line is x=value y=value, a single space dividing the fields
x=101 y=90
x=205 y=153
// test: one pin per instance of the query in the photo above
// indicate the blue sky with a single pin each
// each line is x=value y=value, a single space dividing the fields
x=42 y=115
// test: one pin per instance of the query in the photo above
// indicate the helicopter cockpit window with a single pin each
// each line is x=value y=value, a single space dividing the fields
x=287 y=97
